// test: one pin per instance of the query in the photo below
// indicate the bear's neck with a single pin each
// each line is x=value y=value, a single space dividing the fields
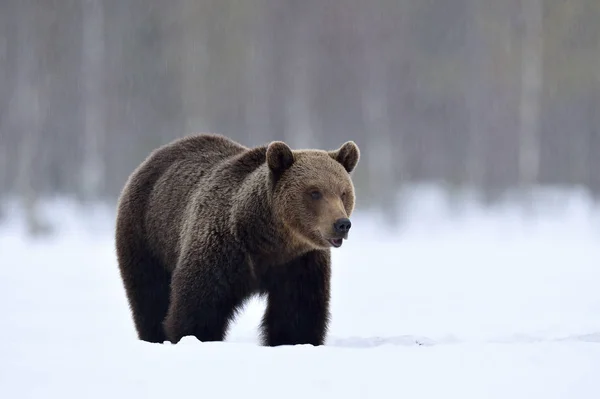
x=263 y=235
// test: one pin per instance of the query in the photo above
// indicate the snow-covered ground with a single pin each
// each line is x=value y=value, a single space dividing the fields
x=481 y=304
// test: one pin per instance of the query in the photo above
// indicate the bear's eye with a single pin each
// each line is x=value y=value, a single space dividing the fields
x=316 y=194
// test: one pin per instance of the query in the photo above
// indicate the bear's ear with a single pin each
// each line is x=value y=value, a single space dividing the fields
x=279 y=156
x=348 y=155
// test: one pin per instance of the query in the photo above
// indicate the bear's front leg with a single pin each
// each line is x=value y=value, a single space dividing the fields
x=206 y=289
x=298 y=301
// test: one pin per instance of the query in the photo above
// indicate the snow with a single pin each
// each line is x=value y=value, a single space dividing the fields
x=457 y=303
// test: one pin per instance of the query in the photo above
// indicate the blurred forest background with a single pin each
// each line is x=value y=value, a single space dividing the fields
x=497 y=95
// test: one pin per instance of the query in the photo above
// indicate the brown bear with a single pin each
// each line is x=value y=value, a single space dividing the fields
x=204 y=223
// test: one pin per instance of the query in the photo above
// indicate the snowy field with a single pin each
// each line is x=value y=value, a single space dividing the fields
x=455 y=304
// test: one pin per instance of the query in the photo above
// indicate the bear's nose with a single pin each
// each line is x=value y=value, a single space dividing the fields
x=341 y=226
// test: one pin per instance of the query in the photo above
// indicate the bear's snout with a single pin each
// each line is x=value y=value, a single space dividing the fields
x=342 y=226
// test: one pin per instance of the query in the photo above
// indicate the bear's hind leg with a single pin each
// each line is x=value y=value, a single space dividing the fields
x=298 y=301
x=146 y=283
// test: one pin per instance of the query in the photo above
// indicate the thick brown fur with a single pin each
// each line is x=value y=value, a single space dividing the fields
x=204 y=223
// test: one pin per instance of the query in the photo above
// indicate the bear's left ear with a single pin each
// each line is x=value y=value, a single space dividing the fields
x=279 y=156
x=348 y=155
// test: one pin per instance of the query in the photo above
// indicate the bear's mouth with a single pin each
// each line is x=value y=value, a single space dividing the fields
x=336 y=242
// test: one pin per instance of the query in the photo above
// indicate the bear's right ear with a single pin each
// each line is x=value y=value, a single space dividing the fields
x=279 y=156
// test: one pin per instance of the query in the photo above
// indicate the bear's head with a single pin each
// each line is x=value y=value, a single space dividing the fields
x=313 y=194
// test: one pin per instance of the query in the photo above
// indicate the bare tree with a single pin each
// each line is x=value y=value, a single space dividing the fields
x=299 y=118
x=258 y=56
x=27 y=112
x=92 y=173
x=382 y=155
x=475 y=94
x=531 y=89
x=593 y=150
x=5 y=70
x=195 y=57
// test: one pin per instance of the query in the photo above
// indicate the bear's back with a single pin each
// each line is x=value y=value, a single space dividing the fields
x=174 y=172
x=201 y=150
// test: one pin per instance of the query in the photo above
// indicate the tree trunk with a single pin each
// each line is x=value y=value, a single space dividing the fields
x=475 y=93
x=27 y=114
x=299 y=122
x=382 y=156
x=194 y=60
x=593 y=181
x=93 y=171
x=257 y=78
x=531 y=90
